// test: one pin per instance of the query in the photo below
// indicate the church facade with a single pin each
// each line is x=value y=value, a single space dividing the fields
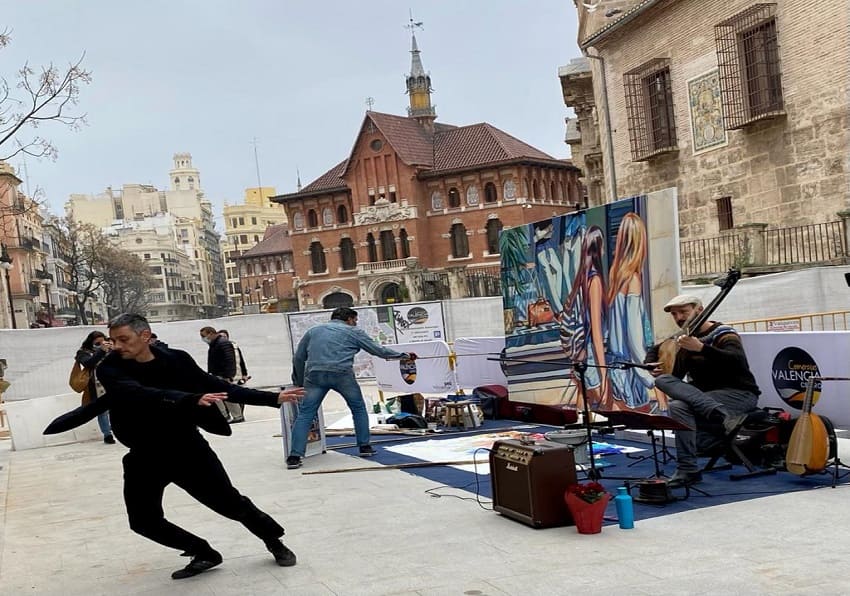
x=415 y=210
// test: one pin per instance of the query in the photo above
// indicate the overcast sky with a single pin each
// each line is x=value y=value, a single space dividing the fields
x=208 y=76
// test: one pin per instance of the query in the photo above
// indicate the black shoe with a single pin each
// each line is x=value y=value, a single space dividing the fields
x=733 y=422
x=293 y=462
x=681 y=478
x=109 y=440
x=367 y=451
x=282 y=555
x=198 y=564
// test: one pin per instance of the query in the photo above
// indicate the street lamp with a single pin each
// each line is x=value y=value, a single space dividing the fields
x=6 y=264
x=46 y=283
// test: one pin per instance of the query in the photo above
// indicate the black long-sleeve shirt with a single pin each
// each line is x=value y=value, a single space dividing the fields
x=154 y=405
x=722 y=363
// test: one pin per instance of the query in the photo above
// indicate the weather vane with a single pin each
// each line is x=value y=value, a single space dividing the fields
x=370 y=101
x=414 y=24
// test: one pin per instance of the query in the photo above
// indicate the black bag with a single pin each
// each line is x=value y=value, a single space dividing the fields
x=405 y=420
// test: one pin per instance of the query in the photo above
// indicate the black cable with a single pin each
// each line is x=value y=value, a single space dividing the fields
x=477 y=484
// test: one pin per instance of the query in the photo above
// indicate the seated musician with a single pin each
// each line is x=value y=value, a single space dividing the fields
x=720 y=390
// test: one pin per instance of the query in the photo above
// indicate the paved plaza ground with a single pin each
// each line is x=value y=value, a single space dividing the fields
x=63 y=531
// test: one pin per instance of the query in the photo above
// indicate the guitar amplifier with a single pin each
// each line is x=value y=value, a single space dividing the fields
x=529 y=481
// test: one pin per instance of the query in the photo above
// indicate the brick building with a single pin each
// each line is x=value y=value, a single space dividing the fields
x=414 y=211
x=266 y=273
x=741 y=105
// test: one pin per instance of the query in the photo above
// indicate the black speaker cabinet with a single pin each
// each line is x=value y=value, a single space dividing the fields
x=529 y=481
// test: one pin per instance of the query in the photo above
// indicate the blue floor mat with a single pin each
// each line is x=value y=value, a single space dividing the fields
x=719 y=489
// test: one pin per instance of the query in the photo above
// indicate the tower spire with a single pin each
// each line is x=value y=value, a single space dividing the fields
x=419 y=83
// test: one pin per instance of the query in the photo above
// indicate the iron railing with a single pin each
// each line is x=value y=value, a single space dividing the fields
x=710 y=256
x=808 y=245
x=815 y=243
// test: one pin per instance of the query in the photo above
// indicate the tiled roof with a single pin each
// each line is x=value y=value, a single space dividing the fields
x=330 y=179
x=411 y=141
x=448 y=148
x=479 y=144
x=275 y=240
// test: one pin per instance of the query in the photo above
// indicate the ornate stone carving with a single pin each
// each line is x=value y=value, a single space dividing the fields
x=383 y=211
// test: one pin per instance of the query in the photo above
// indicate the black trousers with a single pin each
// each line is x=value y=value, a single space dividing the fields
x=196 y=469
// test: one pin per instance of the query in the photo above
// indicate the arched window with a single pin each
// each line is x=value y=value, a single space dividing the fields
x=405 y=244
x=509 y=189
x=317 y=258
x=454 y=198
x=287 y=263
x=312 y=219
x=564 y=196
x=552 y=194
x=341 y=214
x=472 y=195
x=494 y=227
x=535 y=190
x=371 y=250
x=348 y=259
x=388 y=252
x=298 y=220
x=460 y=243
x=525 y=188
x=490 y=193
x=327 y=216
x=437 y=201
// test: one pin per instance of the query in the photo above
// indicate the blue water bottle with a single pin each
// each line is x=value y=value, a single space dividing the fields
x=625 y=508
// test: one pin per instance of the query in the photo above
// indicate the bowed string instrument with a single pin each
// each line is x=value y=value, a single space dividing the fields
x=670 y=347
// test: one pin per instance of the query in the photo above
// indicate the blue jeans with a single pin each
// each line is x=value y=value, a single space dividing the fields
x=316 y=386
x=103 y=423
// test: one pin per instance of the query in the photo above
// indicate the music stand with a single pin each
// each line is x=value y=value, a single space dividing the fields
x=647 y=422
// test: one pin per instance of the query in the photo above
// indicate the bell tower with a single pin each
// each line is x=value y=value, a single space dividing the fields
x=419 y=85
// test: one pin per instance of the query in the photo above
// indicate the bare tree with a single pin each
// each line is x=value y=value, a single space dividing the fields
x=125 y=280
x=39 y=96
x=85 y=246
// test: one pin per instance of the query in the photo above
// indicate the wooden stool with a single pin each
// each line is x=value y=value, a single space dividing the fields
x=455 y=411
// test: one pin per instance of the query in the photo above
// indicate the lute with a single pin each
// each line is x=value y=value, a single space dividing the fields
x=670 y=347
x=808 y=447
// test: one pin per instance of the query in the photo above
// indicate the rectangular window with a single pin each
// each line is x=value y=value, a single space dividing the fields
x=724 y=213
x=243 y=239
x=748 y=57
x=241 y=221
x=253 y=221
x=649 y=105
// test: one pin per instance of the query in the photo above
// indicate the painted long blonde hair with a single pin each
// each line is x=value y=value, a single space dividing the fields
x=629 y=254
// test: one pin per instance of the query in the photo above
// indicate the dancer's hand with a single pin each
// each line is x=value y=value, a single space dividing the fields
x=657 y=371
x=208 y=399
x=291 y=394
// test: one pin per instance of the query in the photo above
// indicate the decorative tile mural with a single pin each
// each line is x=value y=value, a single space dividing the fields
x=706 y=110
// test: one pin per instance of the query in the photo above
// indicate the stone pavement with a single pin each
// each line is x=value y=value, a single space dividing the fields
x=63 y=531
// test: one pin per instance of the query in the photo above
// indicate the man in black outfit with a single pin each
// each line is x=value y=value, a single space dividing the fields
x=721 y=388
x=221 y=362
x=157 y=398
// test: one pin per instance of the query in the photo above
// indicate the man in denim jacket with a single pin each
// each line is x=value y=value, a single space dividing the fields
x=324 y=360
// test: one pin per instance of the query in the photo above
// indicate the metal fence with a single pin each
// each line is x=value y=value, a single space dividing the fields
x=483 y=282
x=838 y=320
x=815 y=243
x=809 y=244
x=710 y=256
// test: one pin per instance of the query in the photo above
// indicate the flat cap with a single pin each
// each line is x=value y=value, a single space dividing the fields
x=683 y=300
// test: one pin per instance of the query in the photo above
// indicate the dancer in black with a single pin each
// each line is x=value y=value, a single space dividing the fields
x=157 y=399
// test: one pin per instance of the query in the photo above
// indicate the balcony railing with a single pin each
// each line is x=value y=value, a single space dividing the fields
x=382 y=265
